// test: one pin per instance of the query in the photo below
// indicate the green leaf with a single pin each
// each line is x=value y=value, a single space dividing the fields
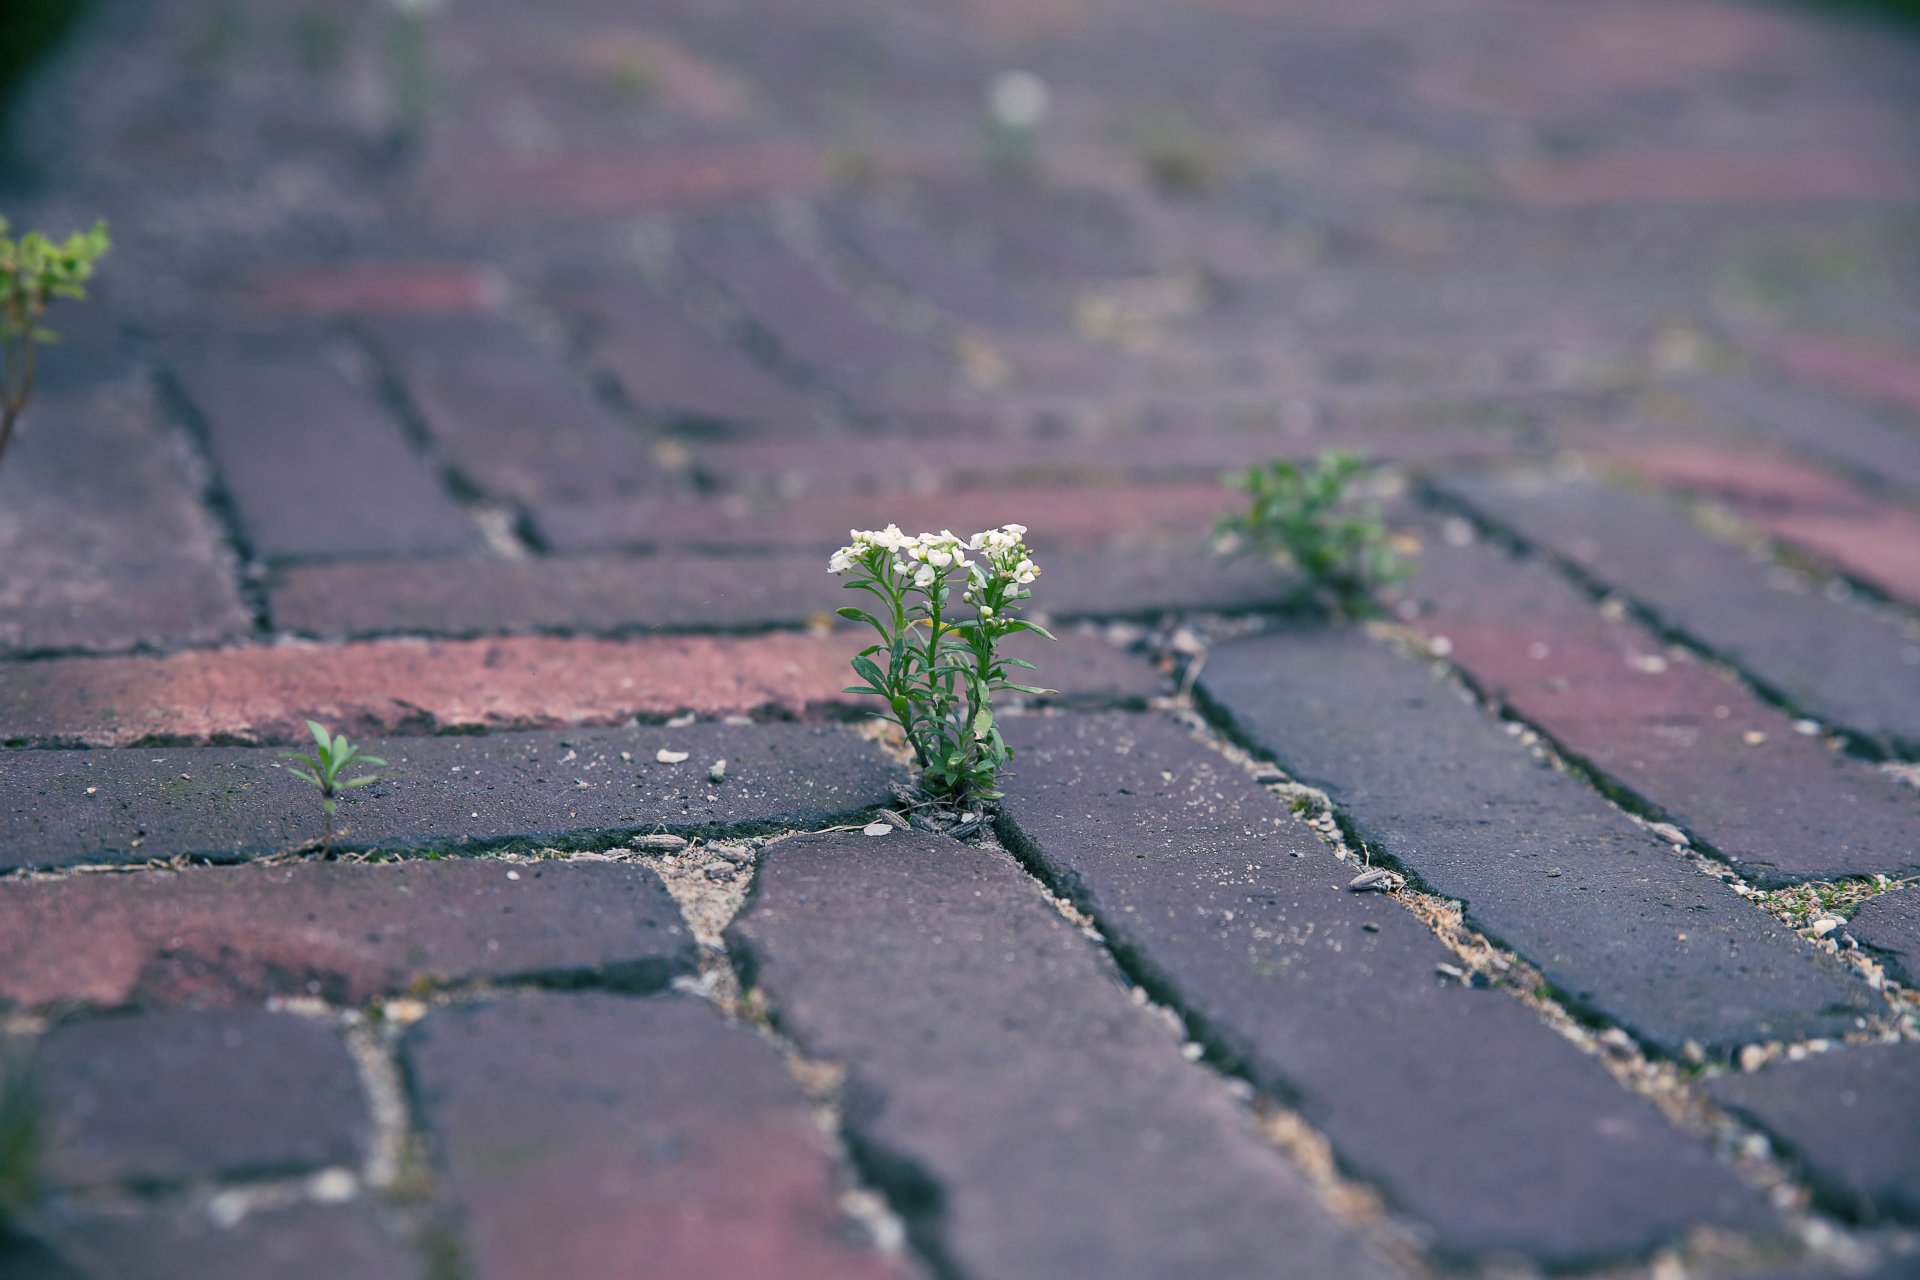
x=373 y=760
x=870 y=672
x=860 y=688
x=298 y=772
x=361 y=781
x=320 y=735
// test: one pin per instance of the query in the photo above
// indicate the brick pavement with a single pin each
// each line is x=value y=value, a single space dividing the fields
x=515 y=443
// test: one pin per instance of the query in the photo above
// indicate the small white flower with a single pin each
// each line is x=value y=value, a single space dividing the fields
x=924 y=576
x=1018 y=99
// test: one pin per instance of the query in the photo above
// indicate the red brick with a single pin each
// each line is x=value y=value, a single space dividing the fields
x=222 y=936
x=600 y=1138
x=374 y=288
x=1058 y=516
x=1870 y=370
x=1744 y=476
x=385 y=686
x=1711 y=177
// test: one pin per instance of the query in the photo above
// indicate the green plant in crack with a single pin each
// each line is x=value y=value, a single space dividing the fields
x=36 y=270
x=1313 y=521
x=324 y=767
x=941 y=615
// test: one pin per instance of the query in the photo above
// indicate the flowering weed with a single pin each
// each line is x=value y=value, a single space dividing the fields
x=1310 y=520
x=942 y=607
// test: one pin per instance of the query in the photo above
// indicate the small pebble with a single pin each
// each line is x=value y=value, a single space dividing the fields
x=1378 y=880
x=720 y=870
x=663 y=843
x=1616 y=1041
x=1753 y=1057
x=665 y=756
x=681 y=721
x=717 y=771
x=1826 y=925
x=878 y=829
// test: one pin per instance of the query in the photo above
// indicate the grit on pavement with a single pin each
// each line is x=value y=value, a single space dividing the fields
x=491 y=382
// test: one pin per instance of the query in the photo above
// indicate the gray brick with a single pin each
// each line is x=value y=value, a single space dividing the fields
x=1472 y=1114
x=444 y=793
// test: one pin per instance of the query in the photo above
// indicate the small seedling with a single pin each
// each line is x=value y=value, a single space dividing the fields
x=410 y=67
x=34 y=271
x=324 y=768
x=1312 y=521
x=937 y=665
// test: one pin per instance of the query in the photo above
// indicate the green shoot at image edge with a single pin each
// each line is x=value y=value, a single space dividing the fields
x=34 y=271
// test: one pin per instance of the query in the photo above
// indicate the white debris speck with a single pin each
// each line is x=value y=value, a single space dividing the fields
x=878 y=829
x=665 y=756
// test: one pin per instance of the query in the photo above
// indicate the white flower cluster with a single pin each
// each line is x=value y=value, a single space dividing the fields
x=926 y=556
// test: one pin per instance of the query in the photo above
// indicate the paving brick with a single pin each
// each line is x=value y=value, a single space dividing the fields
x=1846 y=664
x=1874 y=450
x=513 y=421
x=167 y=1097
x=933 y=269
x=685 y=591
x=657 y=180
x=267 y=693
x=1870 y=540
x=106 y=558
x=313 y=465
x=1728 y=768
x=672 y=369
x=373 y=288
x=444 y=793
x=1058 y=516
x=1030 y=1117
x=305 y=1242
x=589 y=1136
x=1890 y=926
x=238 y=935
x=1874 y=371
x=1204 y=881
x=1191 y=453
x=816 y=323
x=1619 y=924
x=1848 y=1118
x=1712 y=178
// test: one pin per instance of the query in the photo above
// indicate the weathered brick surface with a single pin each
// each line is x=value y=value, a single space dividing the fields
x=1847 y=664
x=1713 y=178
x=314 y=465
x=1847 y=1118
x=372 y=288
x=934 y=269
x=671 y=368
x=238 y=935
x=1874 y=371
x=686 y=591
x=306 y=1242
x=1203 y=880
x=513 y=421
x=1878 y=451
x=166 y=1097
x=106 y=558
x=1890 y=926
x=590 y=1136
x=267 y=693
x=1034 y=1119
x=816 y=323
x=1729 y=769
x=1180 y=514
x=1618 y=922
x=1873 y=541
x=507 y=186
x=444 y=793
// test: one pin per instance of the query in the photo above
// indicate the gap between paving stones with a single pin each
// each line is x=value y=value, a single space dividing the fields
x=1669 y=1087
